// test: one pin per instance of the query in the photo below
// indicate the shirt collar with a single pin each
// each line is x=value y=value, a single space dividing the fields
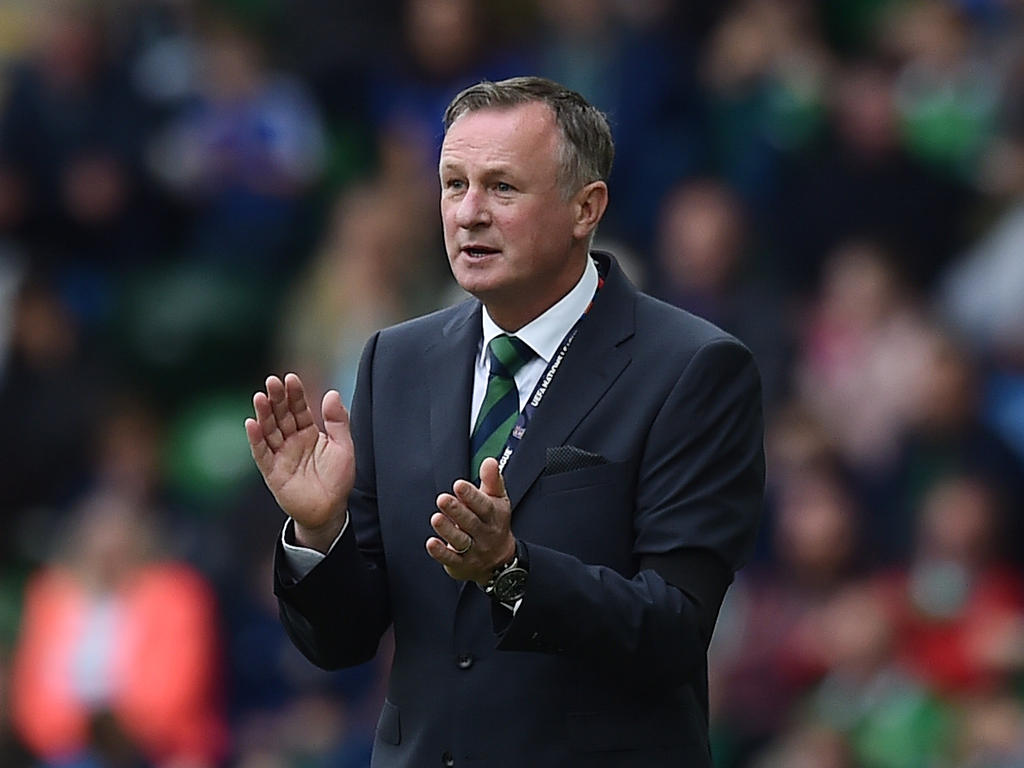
x=546 y=332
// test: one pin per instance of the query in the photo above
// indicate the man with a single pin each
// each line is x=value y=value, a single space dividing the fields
x=556 y=612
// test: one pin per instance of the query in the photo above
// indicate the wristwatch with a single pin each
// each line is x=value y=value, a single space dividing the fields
x=508 y=581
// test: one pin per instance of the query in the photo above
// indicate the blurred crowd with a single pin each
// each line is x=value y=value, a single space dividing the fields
x=195 y=193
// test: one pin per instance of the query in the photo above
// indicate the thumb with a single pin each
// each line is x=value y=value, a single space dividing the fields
x=491 y=481
x=335 y=417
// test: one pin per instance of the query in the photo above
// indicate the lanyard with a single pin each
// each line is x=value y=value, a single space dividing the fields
x=541 y=388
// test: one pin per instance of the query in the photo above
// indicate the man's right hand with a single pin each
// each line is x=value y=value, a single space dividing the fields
x=310 y=472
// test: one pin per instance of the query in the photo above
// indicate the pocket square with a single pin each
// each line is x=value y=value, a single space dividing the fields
x=566 y=458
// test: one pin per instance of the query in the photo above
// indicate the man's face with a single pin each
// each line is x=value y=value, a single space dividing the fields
x=508 y=230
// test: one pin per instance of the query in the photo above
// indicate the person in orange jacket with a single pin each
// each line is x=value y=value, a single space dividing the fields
x=118 y=648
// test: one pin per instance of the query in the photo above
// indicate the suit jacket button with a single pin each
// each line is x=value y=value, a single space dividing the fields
x=465 y=660
x=446 y=759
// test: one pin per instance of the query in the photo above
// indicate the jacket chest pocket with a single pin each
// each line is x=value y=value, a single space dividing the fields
x=587 y=513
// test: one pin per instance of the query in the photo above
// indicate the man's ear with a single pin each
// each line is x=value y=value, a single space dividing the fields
x=589 y=207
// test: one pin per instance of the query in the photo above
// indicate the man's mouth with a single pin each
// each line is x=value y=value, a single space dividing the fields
x=478 y=251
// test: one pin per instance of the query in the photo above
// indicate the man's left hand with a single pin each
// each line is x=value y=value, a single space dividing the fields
x=473 y=526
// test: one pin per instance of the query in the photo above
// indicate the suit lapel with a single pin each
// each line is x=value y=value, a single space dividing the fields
x=595 y=359
x=449 y=373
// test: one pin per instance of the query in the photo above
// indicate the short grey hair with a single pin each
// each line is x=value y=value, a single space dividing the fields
x=587 y=148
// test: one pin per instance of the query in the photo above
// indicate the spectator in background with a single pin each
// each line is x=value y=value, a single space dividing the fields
x=767 y=72
x=118 y=652
x=945 y=434
x=71 y=135
x=127 y=451
x=244 y=153
x=367 y=272
x=129 y=458
x=859 y=182
x=49 y=374
x=888 y=717
x=863 y=354
x=444 y=45
x=703 y=260
x=767 y=652
x=959 y=605
x=945 y=92
x=362 y=279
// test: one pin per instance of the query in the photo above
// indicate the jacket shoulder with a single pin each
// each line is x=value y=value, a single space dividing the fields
x=425 y=329
x=669 y=330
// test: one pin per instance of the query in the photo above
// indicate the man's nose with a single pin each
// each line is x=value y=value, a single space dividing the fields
x=473 y=210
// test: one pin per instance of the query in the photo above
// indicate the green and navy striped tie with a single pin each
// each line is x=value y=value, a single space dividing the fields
x=500 y=408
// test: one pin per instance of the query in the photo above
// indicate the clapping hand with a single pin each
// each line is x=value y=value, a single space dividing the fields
x=309 y=471
x=473 y=527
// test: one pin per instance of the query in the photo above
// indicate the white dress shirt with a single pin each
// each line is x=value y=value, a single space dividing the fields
x=544 y=335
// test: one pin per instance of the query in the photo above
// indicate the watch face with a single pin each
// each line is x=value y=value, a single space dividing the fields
x=510 y=585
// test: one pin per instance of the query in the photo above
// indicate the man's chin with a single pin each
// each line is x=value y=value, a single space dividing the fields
x=479 y=282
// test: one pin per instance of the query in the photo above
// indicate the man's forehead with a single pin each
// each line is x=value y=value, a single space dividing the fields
x=501 y=136
x=533 y=117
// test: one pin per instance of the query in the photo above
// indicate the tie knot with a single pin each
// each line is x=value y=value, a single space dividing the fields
x=508 y=354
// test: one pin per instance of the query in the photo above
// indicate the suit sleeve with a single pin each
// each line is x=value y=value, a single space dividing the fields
x=698 y=499
x=337 y=613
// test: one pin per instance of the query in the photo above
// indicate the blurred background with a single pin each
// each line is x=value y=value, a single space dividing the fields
x=196 y=193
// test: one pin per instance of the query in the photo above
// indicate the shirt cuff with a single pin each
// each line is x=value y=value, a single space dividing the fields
x=302 y=560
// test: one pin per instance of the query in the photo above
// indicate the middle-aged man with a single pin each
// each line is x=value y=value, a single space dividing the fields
x=553 y=609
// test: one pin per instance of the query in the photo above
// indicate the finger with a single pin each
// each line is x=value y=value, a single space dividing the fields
x=491 y=481
x=440 y=551
x=483 y=504
x=335 y=417
x=296 y=395
x=457 y=538
x=459 y=513
x=472 y=498
x=267 y=421
x=261 y=452
x=279 y=404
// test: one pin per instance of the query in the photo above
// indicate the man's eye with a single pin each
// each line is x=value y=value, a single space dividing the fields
x=503 y=186
x=453 y=184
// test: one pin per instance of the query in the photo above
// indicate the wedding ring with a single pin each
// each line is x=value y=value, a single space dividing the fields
x=464 y=550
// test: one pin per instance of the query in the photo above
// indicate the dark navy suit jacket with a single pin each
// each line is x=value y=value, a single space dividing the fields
x=604 y=664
